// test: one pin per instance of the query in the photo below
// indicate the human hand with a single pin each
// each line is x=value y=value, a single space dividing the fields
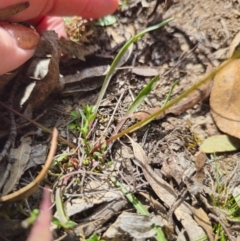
x=45 y=15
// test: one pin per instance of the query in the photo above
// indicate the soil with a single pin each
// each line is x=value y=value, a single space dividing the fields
x=197 y=39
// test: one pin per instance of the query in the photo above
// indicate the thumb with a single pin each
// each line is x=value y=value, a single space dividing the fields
x=17 y=45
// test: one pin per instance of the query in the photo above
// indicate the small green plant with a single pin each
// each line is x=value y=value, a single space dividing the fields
x=81 y=122
x=94 y=237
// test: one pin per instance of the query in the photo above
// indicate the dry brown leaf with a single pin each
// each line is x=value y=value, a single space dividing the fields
x=200 y=163
x=136 y=225
x=233 y=45
x=166 y=193
x=225 y=99
x=74 y=49
x=49 y=83
x=26 y=191
x=21 y=156
x=172 y=168
x=203 y=220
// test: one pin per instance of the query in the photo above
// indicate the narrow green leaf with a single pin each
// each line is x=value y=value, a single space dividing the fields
x=170 y=93
x=121 y=53
x=142 y=95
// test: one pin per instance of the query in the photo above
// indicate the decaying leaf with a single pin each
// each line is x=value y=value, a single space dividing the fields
x=24 y=157
x=166 y=193
x=37 y=156
x=88 y=79
x=78 y=205
x=225 y=99
x=47 y=85
x=203 y=220
x=74 y=49
x=21 y=156
x=172 y=168
x=220 y=143
x=29 y=189
x=234 y=45
x=200 y=160
x=137 y=226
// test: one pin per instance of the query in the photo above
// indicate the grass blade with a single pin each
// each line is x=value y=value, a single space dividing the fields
x=121 y=53
x=142 y=95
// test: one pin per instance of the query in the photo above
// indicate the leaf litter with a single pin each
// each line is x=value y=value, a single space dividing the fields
x=177 y=181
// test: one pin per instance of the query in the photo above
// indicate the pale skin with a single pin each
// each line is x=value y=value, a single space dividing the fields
x=46 y=15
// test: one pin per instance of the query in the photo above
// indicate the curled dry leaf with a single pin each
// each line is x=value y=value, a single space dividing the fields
x=49 y=83
x=225 y=99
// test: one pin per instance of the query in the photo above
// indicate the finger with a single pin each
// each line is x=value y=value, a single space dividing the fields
x=17 y=45
x=84 y=8
x=41 y=230
x=50 y=23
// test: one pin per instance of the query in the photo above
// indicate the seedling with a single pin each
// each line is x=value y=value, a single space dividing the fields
x=94 y=237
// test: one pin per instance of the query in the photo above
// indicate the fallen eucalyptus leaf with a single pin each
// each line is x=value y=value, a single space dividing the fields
x=220 y=143
x=203 y=220
x=137 y=226
x=233 y=46
x=225 y=99
x=37 y=156
x=21 y=156
x=48 y=84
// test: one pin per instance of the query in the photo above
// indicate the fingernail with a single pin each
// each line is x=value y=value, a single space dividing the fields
x=26 y=38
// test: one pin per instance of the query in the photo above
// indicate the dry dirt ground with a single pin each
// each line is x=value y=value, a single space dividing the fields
x=188 y=194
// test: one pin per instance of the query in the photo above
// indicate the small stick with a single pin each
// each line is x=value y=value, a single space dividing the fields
x=38 y=125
